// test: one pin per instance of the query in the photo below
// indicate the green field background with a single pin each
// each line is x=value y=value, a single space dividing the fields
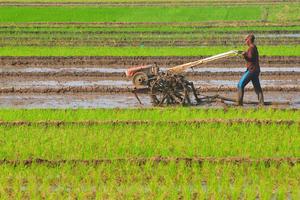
x=142 y=51
x=127 y=14
x=146 y=14
x=15 y=18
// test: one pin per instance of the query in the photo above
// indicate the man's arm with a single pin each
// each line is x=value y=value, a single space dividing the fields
x=248 y=55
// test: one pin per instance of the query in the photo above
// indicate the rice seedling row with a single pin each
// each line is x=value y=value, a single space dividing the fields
x=120 y=160
x=197 y=122
x=279 y=50
x=149 y=181
x=11 y=14
x=140 y=140
x=130 y=14
x=290 y=161
x=154 y=114
x=137 y=41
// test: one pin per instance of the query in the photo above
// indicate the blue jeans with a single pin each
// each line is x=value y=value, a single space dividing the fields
x=246 y=78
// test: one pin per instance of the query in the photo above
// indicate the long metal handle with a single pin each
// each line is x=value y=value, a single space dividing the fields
x=181 y=68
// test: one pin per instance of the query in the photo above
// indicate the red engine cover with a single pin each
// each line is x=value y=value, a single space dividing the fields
x=132 y=70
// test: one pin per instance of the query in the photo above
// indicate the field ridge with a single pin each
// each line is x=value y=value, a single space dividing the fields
x=149 y=122
x=143 y=160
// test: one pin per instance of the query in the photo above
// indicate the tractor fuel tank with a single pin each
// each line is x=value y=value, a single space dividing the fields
x=147 y=69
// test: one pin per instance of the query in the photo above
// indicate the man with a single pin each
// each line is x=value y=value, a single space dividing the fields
x=252 y=72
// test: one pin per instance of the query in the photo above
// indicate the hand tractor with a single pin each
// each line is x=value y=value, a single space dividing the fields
x=170 y=86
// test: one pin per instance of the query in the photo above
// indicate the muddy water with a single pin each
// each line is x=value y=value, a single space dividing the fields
x=94 y=100
x=288 y=35
x=242 y=69
x=231 y=83
x=128 y=84
x=61 y=70
x=59 y=84
x=121 y=62
x=70 y=101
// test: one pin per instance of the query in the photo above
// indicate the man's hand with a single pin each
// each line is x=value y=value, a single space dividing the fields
x=240 y=52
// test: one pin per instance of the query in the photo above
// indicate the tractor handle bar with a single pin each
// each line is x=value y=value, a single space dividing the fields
x=181 y=68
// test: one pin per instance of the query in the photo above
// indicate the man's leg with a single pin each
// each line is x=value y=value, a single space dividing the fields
x=257 y=89
x=241 y=86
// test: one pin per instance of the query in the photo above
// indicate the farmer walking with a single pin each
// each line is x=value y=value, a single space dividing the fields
x=252 y=72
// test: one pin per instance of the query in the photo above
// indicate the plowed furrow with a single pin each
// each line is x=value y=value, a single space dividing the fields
x=166 y=61
x=279 y=74
x=104 y=89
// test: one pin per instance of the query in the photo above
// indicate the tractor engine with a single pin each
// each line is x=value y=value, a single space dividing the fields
x=141 y=75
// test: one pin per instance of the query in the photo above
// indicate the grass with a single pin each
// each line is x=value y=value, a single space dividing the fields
x=13 y=43
x=142 y=51
x=125 y=140
x=167 y=140
x=127 y=180
x=156 y=114
x=25 y=28
x=158 y=181
x=11 y=14
x=127 y=14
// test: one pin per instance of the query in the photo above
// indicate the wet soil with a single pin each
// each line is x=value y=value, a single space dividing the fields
x=112 y=80
x=119 y=61
x=114 y=84
x=73 y=82
x=123 y=82
x=119 y=72
x=11 y=30
x=113 y=90
x=127 y=100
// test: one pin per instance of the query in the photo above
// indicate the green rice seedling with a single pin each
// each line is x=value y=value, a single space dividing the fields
x=128 y=14
x=285 y=50
x=155 y=180
x=110 y=141
x=153 y=114
x=145 y=14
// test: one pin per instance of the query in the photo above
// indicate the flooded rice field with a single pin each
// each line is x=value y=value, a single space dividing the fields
x=77 y=86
